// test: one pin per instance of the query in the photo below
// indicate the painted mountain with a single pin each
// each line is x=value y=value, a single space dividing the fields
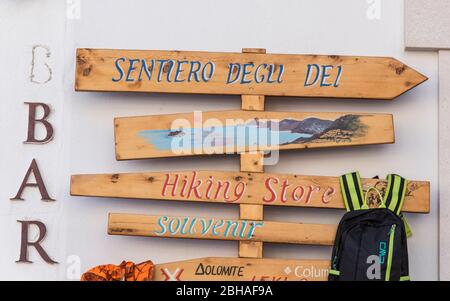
x=310 y=125
x=341 y=129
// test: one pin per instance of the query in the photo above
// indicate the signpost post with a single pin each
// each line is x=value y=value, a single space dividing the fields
x=252 y=162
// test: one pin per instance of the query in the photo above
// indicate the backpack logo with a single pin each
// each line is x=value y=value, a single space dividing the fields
x=375 y=261
x=382 y=252
x=374 y=270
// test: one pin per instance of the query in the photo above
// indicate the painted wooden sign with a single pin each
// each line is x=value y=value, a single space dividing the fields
x=242 y=269
x=228 y=132
x=243 y=73
x=220 y=229
x=238 y=188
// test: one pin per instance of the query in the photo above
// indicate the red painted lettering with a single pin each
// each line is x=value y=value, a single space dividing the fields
x=209 y=187
x=328 y=195
x=239 y=192
x=221 y=184
x=295 y=195
x=183 y=186
x=284 y=186
x=194 y=188
x=268 y=185
x=166 y=184
x=311 y=190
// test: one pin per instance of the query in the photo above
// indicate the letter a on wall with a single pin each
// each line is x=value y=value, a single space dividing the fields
x=39 y=184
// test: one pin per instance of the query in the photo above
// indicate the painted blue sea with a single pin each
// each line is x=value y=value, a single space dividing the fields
x=226 y=137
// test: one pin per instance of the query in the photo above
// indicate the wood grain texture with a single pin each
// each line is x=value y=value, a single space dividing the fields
x=252 y=102
x=251 y=249
x=220 y=229
x=242 y=269
x=189 y=134
x=252 y=162
x=313 y=191
x=345 y=76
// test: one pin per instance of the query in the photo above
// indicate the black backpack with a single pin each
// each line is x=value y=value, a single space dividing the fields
x=371 y=244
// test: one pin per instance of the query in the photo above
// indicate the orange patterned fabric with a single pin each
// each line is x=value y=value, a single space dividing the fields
x=126 y=271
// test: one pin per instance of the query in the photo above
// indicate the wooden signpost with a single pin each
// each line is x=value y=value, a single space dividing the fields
x=220 y=229
x=242 y=269
x=237 y=188
x=248 y=132
x=249 y=73
x=243 y=131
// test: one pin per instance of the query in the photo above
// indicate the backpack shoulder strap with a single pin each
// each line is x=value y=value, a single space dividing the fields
x=352 y=191
x=395 y=193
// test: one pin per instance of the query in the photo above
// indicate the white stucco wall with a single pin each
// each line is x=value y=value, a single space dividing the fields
x=427 y=26
x=84 y=133
x=444 y=163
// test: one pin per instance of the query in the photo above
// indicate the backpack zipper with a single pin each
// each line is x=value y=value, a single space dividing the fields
x=390 y=252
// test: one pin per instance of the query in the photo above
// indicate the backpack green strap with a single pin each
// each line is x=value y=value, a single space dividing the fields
x=351 y=191
x=395 y=193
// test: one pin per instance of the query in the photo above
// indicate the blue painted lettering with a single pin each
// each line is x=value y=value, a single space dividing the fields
x=338 y=77
x=280 y=74
x=130 y=70
x=206 y=77
x=205 y=228
x=174 y=229
x=195 y=67
x=231 y=68
x=119 y=68
x=235 y=225
x=244 y=226
x=271 y=72
x=148 y=70
x=161 y=67
x=178 y=71
x=253 y=226
x=217 y=226
x=246 y=72
x=309 y=72
x=260 y=78
x=161 y=221
x=175 y=226
x=322 y=75
x=325 y=75
x=171 y=64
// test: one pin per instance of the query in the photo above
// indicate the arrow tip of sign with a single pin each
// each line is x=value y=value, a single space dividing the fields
x=411 y=78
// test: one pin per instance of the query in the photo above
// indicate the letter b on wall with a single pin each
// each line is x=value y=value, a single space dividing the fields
x=34 y=120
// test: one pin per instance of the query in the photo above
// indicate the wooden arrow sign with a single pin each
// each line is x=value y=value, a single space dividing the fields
x=220 y=229
x=238 y=188
x=243 y=73
x=227 y=132
x=242 y=269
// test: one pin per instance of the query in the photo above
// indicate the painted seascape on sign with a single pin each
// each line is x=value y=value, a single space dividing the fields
x=230 y=132
x=258 y=133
